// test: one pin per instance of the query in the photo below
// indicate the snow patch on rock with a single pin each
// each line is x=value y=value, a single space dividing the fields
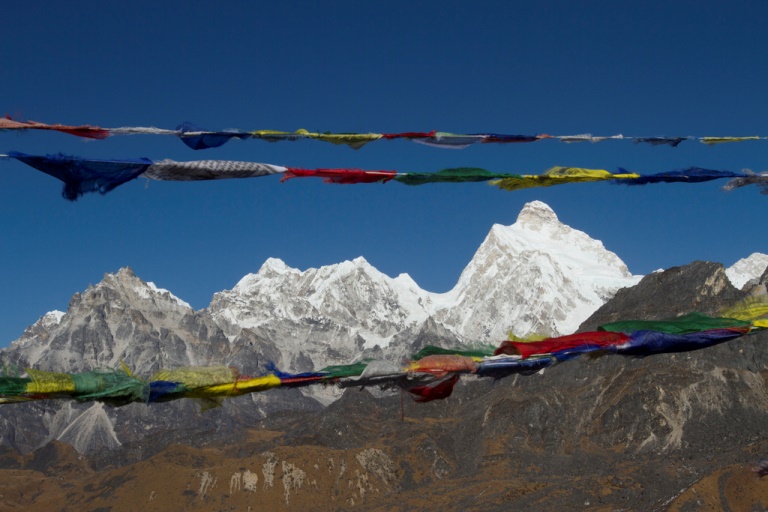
x=747 y=269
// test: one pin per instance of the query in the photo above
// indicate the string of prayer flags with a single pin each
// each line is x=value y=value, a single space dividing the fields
x=431 y=373
x=81 y=176
x=198 y=138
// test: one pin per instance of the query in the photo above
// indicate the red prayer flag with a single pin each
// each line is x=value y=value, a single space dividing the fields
x=549 y=345
x=87 y=131
x=409 y=135
x=439 y=391
x=341 y=176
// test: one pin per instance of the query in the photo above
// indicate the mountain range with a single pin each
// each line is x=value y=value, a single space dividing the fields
x=535 y=276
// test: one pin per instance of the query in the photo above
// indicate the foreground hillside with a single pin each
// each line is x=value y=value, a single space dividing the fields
x=673 y=431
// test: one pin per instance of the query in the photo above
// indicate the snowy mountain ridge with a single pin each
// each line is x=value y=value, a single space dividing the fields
x=537 y=275
x=514 y=279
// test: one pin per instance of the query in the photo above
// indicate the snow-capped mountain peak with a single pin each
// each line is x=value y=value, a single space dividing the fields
x=120 y=318
x=537 y=215
x=130 y=289
x=538 y=228
x=747 y=269
x=51 y=318
x=271 y=268
x=536 y=276
x=353 y=294
x=274 y=266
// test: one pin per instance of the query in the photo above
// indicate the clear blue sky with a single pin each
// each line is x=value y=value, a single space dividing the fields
x=637 y=68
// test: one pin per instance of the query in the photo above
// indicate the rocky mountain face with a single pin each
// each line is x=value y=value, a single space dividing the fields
x=125 y=319
x=665 y=432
